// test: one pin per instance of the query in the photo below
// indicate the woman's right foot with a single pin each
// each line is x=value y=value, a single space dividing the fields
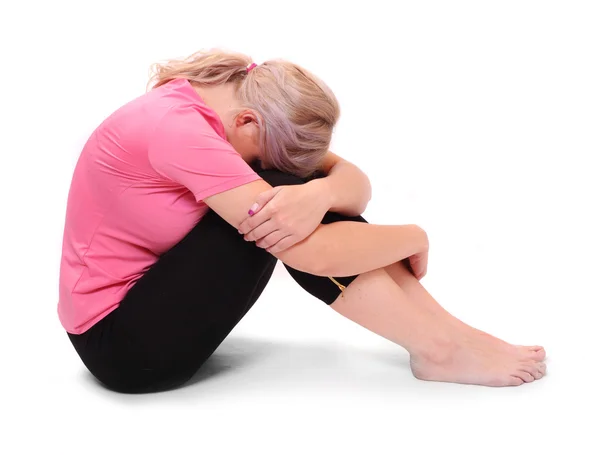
x=471 y=358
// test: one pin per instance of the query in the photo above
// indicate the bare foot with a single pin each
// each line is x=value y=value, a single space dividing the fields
x=533 y=352
x=470 y=358
x=406 y=280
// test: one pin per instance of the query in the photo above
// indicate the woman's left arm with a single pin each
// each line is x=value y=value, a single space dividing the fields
x=349 y=188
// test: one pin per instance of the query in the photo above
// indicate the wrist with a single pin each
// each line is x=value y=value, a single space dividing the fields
x=325 y=191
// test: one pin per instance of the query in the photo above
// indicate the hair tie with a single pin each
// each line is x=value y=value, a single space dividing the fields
x=251 y=67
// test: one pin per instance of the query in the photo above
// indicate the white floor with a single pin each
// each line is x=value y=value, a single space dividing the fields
x=295 y=377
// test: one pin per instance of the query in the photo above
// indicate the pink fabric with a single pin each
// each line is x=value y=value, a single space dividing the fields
x=136 y=191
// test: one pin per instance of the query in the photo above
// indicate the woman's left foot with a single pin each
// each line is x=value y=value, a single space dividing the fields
x=469 y=356
x=533 y=352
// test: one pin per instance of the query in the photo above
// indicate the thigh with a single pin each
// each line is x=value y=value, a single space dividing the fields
x=179 y=311
x=204 y=284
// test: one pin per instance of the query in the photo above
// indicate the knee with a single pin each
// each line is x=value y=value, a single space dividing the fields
x=277 y=178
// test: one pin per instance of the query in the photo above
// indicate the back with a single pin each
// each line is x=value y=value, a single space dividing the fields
x=136 y=191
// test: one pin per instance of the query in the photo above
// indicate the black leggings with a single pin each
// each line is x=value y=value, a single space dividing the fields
x=178 y=313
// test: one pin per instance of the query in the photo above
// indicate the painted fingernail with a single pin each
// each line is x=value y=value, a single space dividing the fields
x=253 y=209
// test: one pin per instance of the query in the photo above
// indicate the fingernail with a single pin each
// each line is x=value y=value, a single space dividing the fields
x=253 y=209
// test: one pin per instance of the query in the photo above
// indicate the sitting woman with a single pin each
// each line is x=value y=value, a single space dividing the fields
x=182 y=202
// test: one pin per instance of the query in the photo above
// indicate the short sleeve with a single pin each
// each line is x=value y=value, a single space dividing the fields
x=186 y=149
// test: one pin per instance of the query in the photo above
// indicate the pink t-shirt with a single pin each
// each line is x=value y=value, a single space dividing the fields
x=136 y=191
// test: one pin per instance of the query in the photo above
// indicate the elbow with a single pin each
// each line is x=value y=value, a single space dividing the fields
x=367 y=194
x=363 y=204
x=368 y=190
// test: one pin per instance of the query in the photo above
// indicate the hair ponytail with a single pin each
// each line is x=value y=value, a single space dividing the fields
x=212 y=67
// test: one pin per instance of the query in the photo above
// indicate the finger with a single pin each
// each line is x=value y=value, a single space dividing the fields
x=270 y=240
x=254 y=221
x=263 y=199
x=261 y=231
x=417 y=270
x=283 y=244
x=247 y=225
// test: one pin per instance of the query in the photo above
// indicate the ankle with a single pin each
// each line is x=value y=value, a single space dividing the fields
x=438 y=350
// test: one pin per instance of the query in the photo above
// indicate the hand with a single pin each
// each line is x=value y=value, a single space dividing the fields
x=418 y=264
x=286 y=215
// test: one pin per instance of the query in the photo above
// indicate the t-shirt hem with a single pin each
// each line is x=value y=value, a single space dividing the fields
x=81 y=328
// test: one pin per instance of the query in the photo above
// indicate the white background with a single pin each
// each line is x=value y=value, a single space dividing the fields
x=477 y=120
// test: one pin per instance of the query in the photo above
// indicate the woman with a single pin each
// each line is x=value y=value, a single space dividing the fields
x=183 y=200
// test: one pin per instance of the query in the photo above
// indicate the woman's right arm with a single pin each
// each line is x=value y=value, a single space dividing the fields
x=348 y=248
x=185 y=149
x=343 y=248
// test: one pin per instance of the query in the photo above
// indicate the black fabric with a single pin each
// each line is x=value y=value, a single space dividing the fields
x=185 y=305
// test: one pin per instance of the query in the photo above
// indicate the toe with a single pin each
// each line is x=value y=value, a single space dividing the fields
x=528 y=377
x=515 y=380
x=541 y=368
x=537 y=374
x=531 y=352
x=535 y=369
x=525 y=375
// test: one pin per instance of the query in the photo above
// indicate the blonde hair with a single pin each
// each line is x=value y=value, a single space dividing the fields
x=296 y=111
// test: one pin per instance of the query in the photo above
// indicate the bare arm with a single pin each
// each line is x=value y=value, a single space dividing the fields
x=349 y=248
x=349 y=188
x=337 y=249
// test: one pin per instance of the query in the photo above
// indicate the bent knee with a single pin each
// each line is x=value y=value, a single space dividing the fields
x=277 y=178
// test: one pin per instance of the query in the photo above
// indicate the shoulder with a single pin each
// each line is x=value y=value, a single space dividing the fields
x=182 y=110
x=189 y=121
